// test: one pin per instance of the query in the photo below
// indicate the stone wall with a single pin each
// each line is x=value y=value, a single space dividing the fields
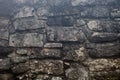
x=59 y=40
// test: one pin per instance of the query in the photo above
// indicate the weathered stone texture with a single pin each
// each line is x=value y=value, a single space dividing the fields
x=7 y=76
x=20 y=68
x=103 y=50
x=65 y=34
x=74 y=52
x=53 y=45
x=77 y=72
x=27 y=40
x=47 y=66
x=28 y=24
x=104 y=69
x=25 y=11
x=5 y=64
x=59 y=39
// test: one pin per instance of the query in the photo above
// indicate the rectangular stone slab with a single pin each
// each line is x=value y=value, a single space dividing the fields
x=62 y=34
x=4 y=32
x=26 y=40
x=54 y=67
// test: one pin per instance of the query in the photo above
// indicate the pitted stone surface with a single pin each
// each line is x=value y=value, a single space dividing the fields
x=4 y=32
x=5 y=64
x=59 y=39
x=28 y=24
x=104 y=68
x=27 y=40
x=65 y=34
x=47 y=66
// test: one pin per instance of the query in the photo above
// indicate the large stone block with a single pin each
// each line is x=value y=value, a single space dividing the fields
x=45 y=53
x=74 y=52
x=4 y=43
x=5 y=51
x=98 y=37
x=115 y=13
x=60 y=21
x=19 y=59
x=29 y=24
x=42 y=12
x=53 y=45
x=25 y=2
x=102 y=31
x=47 y=77
x=54 y=67
x=4 y=31
x=7 y=76
x=104 y=26
x=65 y=34
x=92 y=2
x=51 y=53
x=103 y=50
x=26 y=40
x=5 y=64
x=77 y=72
x=20 y=68
x=104 y=69
x=95 y=12
x=25 y=11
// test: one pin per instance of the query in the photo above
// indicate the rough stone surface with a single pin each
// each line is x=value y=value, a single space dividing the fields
x=103 y=37
x=4 y=28
x=56 y=78
x=104 y=26
x=16 y=59
x=42 y=77
x=104 y=68
x=53 y=53
x=28 y=24
x=103 y=50
x=6 y=77
x=25 y=11
x=22 y=51
x=53 y=45
x=77 y=72
x=5 y=51
x=20 y=68
x=59 y=39
x=29 y=39
x=5 y=64
x=96 y=12
x=47 y=66
x=44 y=53
x=65 y=34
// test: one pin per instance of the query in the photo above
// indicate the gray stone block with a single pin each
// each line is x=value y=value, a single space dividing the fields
x=5 y=64
x=45 y=53
x=103 y=37
x=25 y=11
x=53 y=45
x=104 y=26
x=76 y=72
x=29 y=24
x=103 y=50
x=26 y=40
x=20 y=68
x=4 y=31
x=65 y=34
x=92 y=2
x=95 y=12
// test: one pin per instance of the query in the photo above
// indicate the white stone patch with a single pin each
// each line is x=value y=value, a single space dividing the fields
x=77 y=2
x=25 y=11
x=33 y=39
